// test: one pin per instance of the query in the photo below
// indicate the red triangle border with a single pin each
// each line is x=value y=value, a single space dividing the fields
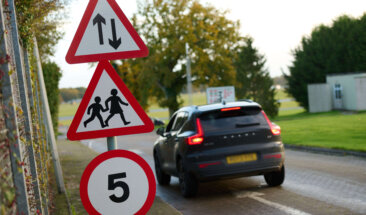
x=72 y=133
x=71 y=58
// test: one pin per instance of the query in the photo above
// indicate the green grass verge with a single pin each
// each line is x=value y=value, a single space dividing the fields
x=281 y=94
x=327 y=130
x=64 y=122
x=74 y=158
x=67 y=109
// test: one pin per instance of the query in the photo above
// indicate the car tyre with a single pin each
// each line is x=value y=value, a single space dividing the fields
x=163 y=178
x=187 y=182
x=274 y=179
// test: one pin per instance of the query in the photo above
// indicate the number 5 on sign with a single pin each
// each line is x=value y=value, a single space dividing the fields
x=117 y=182
x=112 y=185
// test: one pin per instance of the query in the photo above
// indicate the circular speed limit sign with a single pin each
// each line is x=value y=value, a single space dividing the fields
x=117 y=182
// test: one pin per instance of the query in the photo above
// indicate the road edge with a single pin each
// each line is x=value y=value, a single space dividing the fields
x=338 y=152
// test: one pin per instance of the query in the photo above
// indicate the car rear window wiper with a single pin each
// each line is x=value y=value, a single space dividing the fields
x=246 y=125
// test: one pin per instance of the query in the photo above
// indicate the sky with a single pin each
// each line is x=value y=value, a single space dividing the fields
x=276 y=26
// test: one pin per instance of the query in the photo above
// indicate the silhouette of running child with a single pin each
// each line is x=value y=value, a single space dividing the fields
x=115 y=107
x=96 y=108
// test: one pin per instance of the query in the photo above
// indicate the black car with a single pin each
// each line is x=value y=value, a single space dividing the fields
x=202 y=143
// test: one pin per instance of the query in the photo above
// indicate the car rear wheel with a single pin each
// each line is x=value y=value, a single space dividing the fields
x=187 y=182
x=275 y=178
x=163 y=178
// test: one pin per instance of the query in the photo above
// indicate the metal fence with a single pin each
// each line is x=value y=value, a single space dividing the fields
x=28 y=152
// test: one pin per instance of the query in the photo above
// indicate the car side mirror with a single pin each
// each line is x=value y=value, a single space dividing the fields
x=160 y=131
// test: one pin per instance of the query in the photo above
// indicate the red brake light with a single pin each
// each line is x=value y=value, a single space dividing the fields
x=276 y=130
x=197 y=138
x=232 y=108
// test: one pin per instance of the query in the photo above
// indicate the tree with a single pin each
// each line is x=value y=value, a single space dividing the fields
x=69 y=94
x=166 y=26
x=253 y=80
x=52 y=76
x=130 y=73
x=339 y=48
x=39 y=18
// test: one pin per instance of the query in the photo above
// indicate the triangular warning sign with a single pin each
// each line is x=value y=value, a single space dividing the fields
x=105 y=33
x=108 y=108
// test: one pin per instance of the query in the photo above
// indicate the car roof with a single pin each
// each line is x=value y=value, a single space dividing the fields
x=216 y=106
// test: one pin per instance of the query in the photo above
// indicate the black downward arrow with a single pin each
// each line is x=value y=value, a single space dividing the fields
x=99 y=19
x=114 y=43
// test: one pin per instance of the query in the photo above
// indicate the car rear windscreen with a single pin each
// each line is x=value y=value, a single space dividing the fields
x=231 y=120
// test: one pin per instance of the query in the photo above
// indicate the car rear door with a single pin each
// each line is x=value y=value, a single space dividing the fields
x=173 y=140
x=163 y=143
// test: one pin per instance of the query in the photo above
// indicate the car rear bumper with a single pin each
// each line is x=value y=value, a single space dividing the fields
x=211 y=165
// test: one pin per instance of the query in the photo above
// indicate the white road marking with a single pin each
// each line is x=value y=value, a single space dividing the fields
x=256 y=196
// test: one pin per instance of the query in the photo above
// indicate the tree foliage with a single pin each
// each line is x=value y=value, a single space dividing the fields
x=253 y=80
x=39 y=18
x=52 y=76
x=339 y=48
x=69 y=94
x=166 y=26
x=130 y=72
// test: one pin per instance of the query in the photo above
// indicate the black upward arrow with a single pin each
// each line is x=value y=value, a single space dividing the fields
x=114 y=43
x=99 y=19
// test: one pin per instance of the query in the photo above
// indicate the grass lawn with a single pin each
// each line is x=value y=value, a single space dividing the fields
x=67 y=109
x=281 y=94
x=328 y=130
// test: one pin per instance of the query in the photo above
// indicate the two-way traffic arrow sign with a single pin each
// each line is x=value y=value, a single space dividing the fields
x=104 y=19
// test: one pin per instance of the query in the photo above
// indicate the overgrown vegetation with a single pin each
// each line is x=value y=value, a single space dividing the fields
x=41 y=19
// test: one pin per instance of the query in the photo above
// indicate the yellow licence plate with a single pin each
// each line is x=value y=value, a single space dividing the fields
x=241 y=158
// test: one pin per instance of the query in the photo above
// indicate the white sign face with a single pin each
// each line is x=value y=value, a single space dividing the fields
x=118 y=182
x=105 y=33
x=118 y=186
x=108 y=108
x=220 y=94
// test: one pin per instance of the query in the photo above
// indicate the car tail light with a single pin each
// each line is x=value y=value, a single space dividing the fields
x=204 y=165
x=197 y=138
x=278 y=156
x=275 y=129
x=229 y=109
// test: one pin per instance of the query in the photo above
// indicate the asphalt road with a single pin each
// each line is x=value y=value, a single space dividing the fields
x=314 y=184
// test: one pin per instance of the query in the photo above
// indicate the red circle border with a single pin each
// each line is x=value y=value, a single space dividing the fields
x=113 y=154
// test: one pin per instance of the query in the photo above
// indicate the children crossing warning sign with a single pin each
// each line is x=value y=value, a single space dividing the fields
x=105 y=33
x=108 y=109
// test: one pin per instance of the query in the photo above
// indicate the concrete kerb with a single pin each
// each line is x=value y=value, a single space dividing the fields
x=338 y=152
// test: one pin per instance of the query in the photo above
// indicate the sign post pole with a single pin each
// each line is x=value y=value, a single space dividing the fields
x=112 y=143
